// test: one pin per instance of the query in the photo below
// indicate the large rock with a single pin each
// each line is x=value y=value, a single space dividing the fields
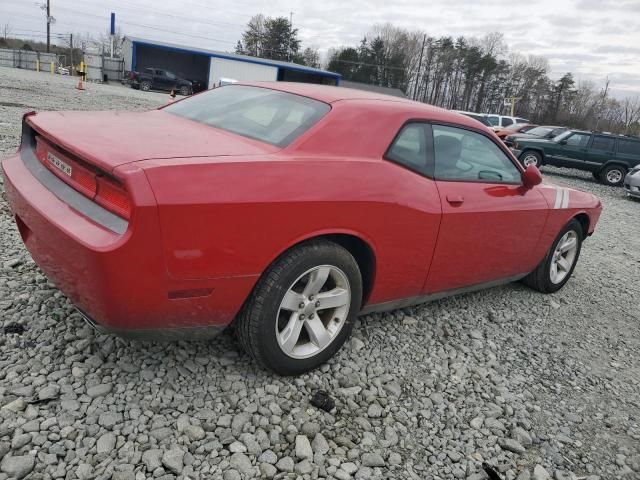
x=106 y=443
x=17 y=467
x=99 y=390
x=173 y=460
x=303 y=448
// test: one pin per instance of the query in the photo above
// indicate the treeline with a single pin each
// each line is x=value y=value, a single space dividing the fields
x=463 y=73
x=479 y=75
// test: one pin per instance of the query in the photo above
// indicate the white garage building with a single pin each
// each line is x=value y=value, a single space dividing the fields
x=209 y=66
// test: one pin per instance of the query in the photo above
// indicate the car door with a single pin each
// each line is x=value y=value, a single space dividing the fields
x=160 y=80
x=490 y=223
x=601 y=150
x=571 y=151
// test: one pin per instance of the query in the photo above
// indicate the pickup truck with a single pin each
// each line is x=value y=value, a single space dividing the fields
x=160 y=79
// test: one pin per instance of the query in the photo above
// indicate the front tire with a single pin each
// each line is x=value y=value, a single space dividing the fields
x=613 y=175
x=184 y=91
x=530 y=157
x=302 y=309
x=558 y=265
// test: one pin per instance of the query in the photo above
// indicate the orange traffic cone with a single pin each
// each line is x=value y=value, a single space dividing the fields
x=80 y=85
x=81 y=74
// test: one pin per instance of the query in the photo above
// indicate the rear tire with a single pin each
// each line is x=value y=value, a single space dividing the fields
x=560 y=258
x=531 y=157
x=145 y=85
x=283 y=325
x=613 y=175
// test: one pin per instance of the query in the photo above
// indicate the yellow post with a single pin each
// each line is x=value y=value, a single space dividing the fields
x=52 y=70
x=37 y=65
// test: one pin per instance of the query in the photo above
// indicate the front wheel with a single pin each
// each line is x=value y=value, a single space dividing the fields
x=556 y=268
x=184 y=91
x=302 y=309
x=531 y=158
x=613 y=175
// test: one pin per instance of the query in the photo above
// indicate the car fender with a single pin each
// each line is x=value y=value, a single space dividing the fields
x=620 y=163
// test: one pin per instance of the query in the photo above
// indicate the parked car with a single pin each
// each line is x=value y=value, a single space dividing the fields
x=544 y=131
x=607 y=156
x=238 y=205
x=632 y=183
x=160 y=79
x=476 y=116
x=501 y=121
x=514 y=129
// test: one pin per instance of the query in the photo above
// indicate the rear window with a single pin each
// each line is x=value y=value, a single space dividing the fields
x=262 y=114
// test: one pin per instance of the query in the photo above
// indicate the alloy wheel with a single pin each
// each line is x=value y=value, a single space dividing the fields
x=313 y=311
x=614 y=176
x=530 y=160
x=564 y=256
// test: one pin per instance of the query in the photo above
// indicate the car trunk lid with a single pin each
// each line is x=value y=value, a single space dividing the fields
x=110 y=139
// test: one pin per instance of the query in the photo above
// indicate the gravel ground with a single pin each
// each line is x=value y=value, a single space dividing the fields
x=536 y=386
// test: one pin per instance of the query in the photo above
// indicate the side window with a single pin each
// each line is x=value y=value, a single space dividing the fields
x=494 y=120
x=629 y=147
x=522 y=120
x=463 y=155
x=149 y=71
x=506 y=121
x=578 y=140
x=410 y=147
x=606 y=144
x=160 y=73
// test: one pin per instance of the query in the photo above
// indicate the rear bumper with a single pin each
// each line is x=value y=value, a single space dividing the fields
x=119 y=281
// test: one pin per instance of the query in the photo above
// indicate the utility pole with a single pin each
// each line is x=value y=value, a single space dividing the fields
x=71 y=53
x=48 y=26
x=290 y=35
x=415 y=87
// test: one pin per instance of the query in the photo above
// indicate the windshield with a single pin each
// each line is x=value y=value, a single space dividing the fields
x=514 y=126
x=562 y=136
x=539 y=131
x=262 y=114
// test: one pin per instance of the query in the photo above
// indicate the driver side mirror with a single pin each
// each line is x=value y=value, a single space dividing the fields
x=563 y=142
x=531 y=177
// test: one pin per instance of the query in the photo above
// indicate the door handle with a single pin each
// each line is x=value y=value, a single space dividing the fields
x=455 y=199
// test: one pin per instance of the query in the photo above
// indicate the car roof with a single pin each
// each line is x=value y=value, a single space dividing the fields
x=333 y=94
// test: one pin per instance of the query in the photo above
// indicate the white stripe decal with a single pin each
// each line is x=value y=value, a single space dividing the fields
x=565 y=199
x=558 y=197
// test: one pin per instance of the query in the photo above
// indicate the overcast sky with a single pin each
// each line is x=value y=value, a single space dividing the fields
x=591 y=38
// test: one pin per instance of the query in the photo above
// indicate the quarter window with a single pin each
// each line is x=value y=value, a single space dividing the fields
x=628 y=147
x=409 y=147
x=578 y=140
x=463 y=155
x=603 y=143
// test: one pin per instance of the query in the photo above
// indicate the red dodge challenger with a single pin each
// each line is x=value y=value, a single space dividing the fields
x=285 y=209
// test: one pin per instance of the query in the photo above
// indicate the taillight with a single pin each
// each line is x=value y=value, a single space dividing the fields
x=113 y=197
x=86 y=179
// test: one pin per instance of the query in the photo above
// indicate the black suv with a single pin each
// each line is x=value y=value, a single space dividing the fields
x=607 y=156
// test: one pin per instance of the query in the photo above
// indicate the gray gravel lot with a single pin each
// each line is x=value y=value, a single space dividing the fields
x=537 y=386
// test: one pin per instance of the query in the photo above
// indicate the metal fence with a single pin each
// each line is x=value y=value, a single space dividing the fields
x=27 y=59
x=101 y=68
